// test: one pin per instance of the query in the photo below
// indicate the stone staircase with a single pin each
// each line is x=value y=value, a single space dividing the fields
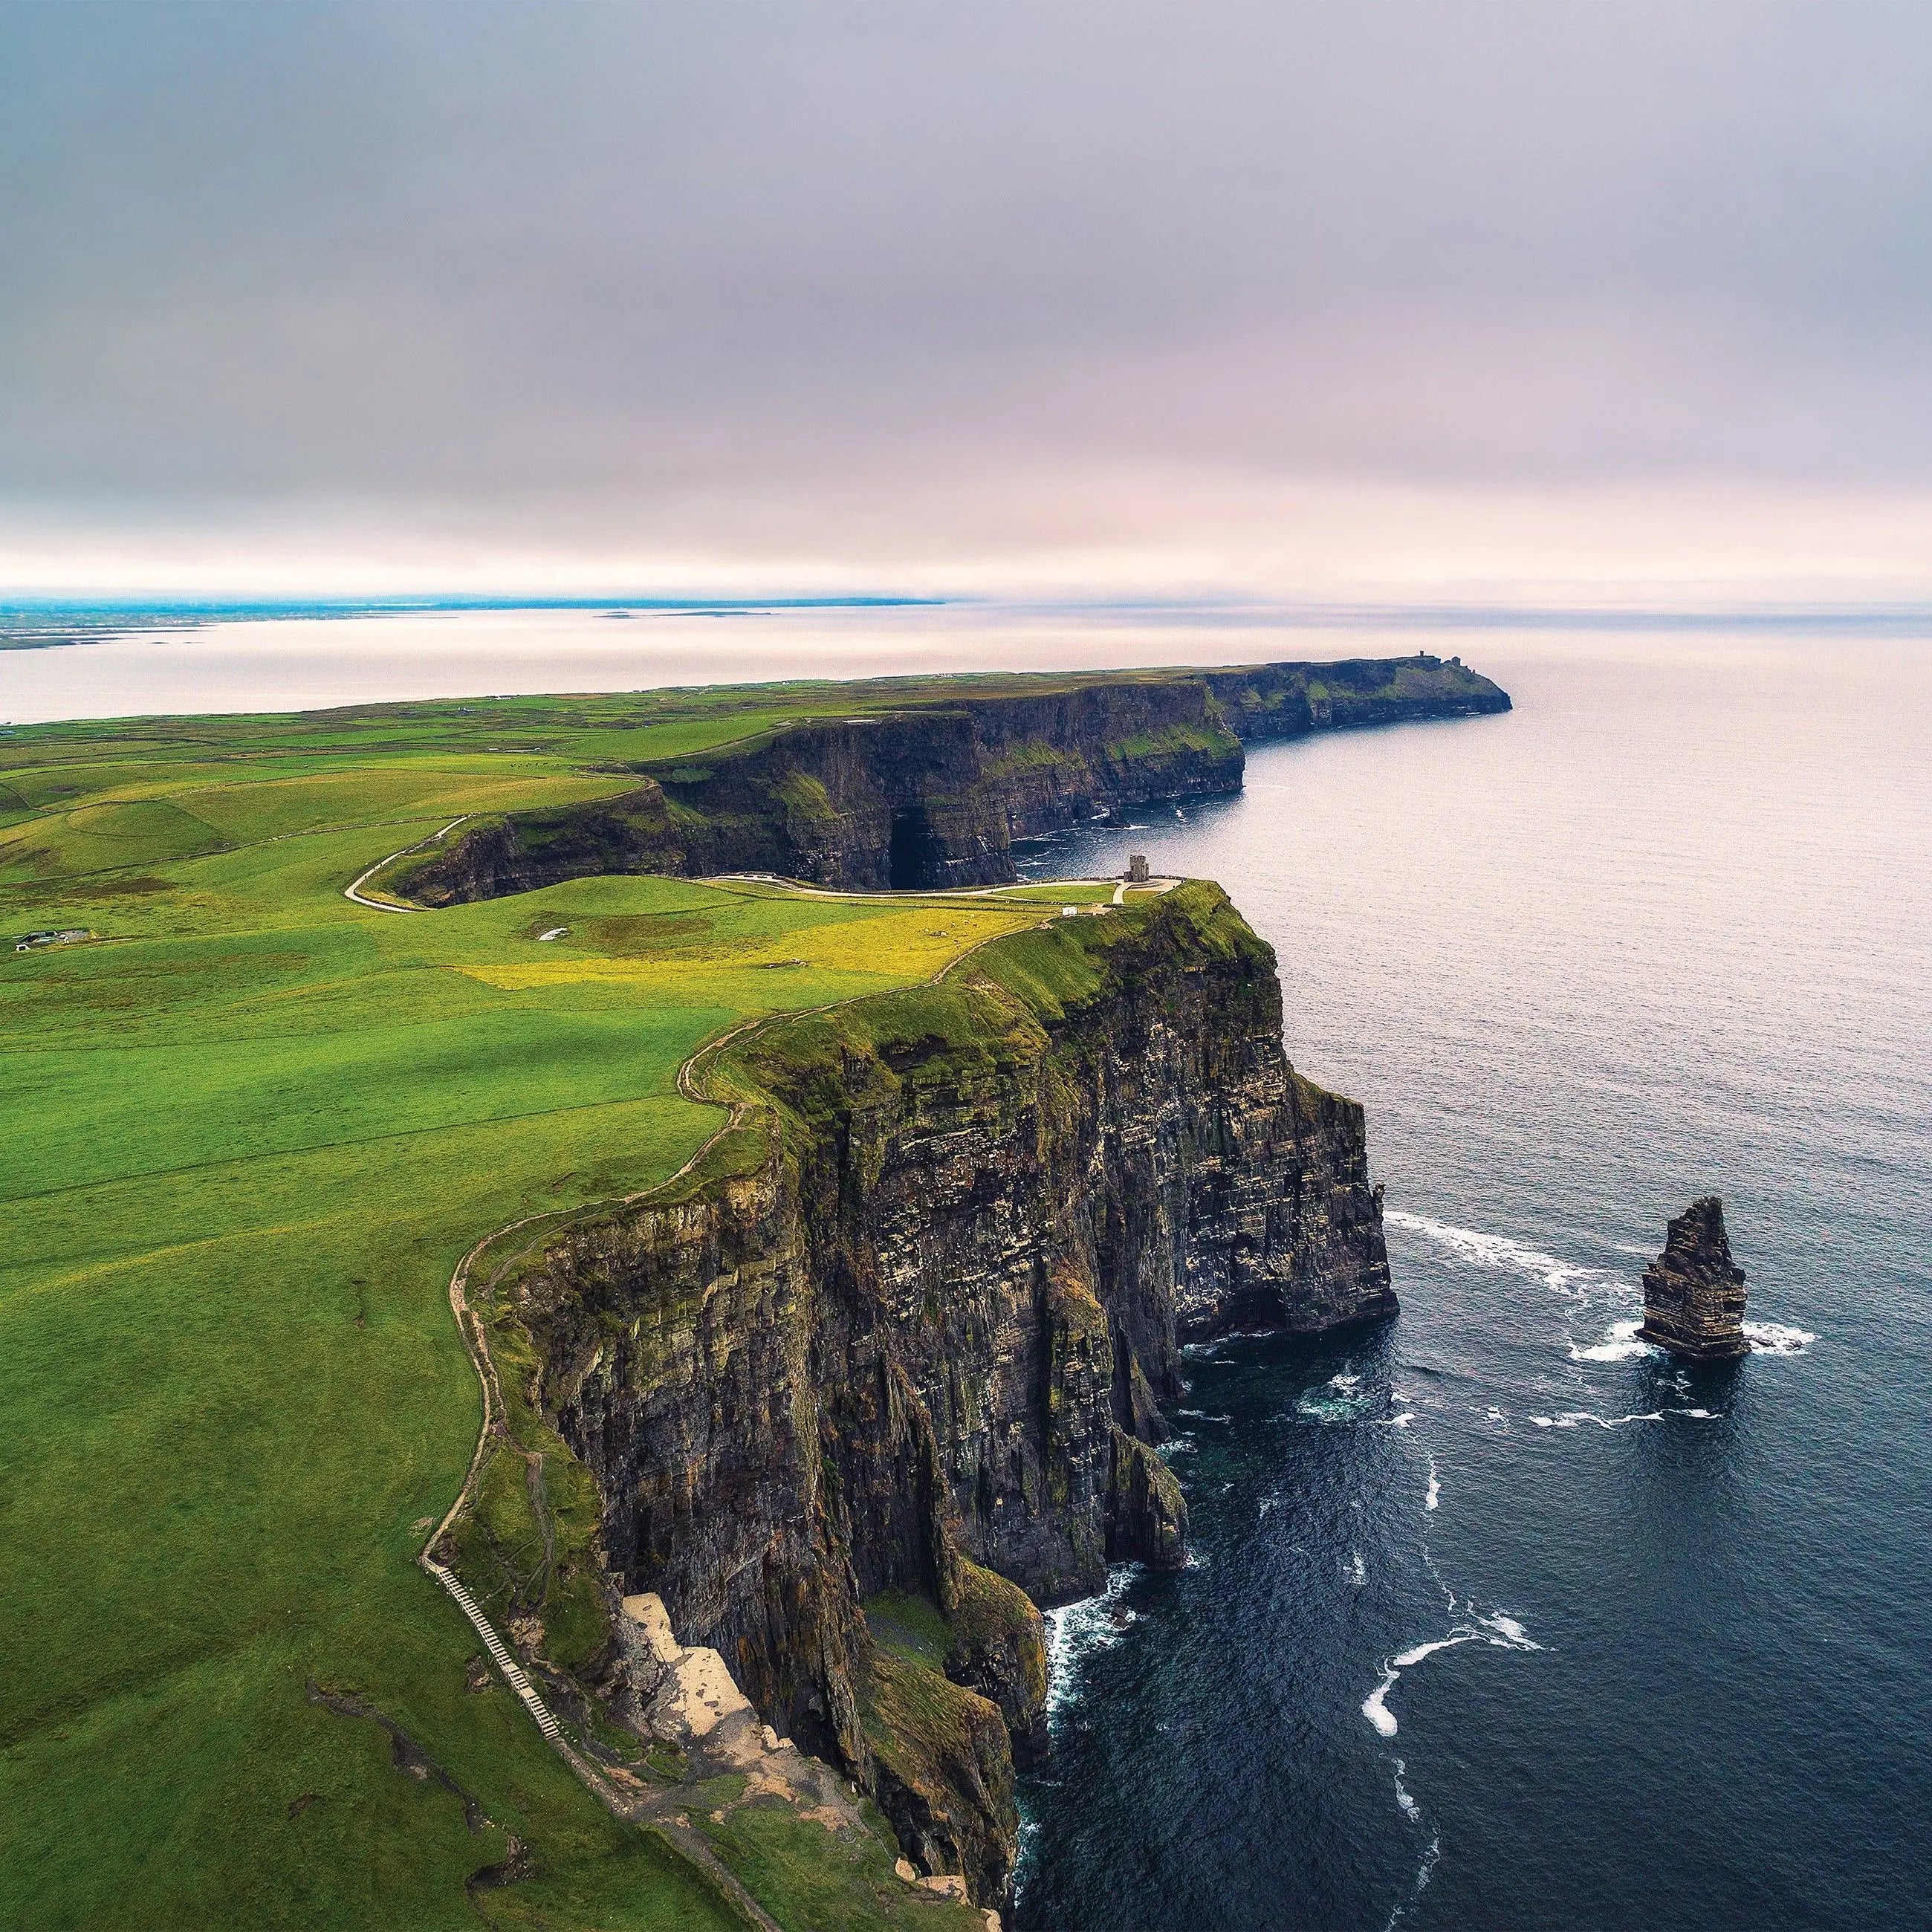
x=513 y=1673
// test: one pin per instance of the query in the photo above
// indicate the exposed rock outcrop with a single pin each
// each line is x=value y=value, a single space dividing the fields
x=1694 y=1294
x=916 y=1346
x=935 y=794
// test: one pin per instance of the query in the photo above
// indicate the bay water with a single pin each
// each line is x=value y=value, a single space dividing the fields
x=1497 y=1619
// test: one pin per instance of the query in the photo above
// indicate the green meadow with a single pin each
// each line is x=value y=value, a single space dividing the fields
x=249 y=1129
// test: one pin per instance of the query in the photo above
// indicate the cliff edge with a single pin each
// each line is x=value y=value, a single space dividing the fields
x=933 y=792
x=903 y=1342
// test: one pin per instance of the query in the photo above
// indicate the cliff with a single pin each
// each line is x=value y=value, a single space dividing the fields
x=935 y=794
x=1693 y=1293
x=905 y=1343
x=1290 y=700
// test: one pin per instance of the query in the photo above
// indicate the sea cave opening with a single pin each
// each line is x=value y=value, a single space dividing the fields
x=911 y=859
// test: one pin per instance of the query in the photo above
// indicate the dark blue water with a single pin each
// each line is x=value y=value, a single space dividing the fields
x=1499 y=1620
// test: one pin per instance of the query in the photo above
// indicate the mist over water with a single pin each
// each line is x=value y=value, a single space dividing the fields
x=1498 y=1619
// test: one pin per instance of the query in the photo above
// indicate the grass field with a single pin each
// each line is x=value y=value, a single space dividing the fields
x=250 y=1129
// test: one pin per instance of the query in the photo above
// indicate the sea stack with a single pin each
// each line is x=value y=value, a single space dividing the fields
x=1693 y=1293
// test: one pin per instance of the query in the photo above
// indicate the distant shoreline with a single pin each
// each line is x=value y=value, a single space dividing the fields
x=35 y=625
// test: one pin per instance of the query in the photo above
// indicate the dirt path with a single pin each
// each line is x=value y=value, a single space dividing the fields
x=657 y=1808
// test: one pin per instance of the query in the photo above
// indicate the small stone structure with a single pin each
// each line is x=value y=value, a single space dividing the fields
x=1137 y=869
x=1693 y=1293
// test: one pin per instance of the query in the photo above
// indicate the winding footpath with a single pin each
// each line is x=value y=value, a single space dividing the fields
x=353 y=890
x=654 y=1806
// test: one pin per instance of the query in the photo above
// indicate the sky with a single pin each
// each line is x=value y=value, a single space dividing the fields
x=1568 y=301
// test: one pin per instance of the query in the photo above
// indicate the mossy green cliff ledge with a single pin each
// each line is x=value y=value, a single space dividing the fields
x=901 y=1341
x=935 y=793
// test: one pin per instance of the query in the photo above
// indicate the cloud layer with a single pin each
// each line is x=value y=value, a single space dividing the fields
x=1294 y=297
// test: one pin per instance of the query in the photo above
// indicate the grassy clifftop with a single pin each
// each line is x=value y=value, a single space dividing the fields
x=251 y=1127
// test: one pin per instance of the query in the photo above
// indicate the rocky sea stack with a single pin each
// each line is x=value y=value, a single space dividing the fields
x=1693 y=1293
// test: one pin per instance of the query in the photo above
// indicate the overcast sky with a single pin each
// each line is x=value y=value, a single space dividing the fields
x=1592 y=301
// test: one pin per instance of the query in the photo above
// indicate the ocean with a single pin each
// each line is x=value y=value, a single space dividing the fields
x=1498 y=1619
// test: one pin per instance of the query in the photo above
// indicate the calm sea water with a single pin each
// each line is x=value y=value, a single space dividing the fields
x=1498 y=1620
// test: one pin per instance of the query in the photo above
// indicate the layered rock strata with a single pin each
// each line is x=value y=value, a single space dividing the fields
x=935 y=794
x=914 y=1342
x=1693 y=1293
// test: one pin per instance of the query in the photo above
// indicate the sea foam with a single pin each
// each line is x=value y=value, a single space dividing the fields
x=1340 y=1398
x=1576 y=1418
x=1774 y=1338
x=1076 y=1631
x=1571 y=1278
x=1621 y=1345
x=1498 y=1629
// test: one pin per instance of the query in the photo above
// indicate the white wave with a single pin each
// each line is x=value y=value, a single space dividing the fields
x=1410 y=1809
x=1500 y=1416
x=1076 y=1631
x=1267 y=1504
x=1401 y=1421
x=1316 y=1409
x=1434 y=1494
x=1502 y=1626
x=1775 y=1338
x=1621 y=1345
x=1358 y=1574
x=1420 y=1653
x=1499 y=1630
x=1338 y=1399
x=1575 y=1418
x=1424 y=1873
x=1497 y=1251
x=1217 y=1345
x=1374 y=1707
x=1201 y=1415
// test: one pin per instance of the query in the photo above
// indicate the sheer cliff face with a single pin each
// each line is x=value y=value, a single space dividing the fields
x=924 y=1340
x=929 y=797
x=935 y=795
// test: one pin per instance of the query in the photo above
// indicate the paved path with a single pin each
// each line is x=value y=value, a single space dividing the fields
x=353 y=890
x=512 y=1672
